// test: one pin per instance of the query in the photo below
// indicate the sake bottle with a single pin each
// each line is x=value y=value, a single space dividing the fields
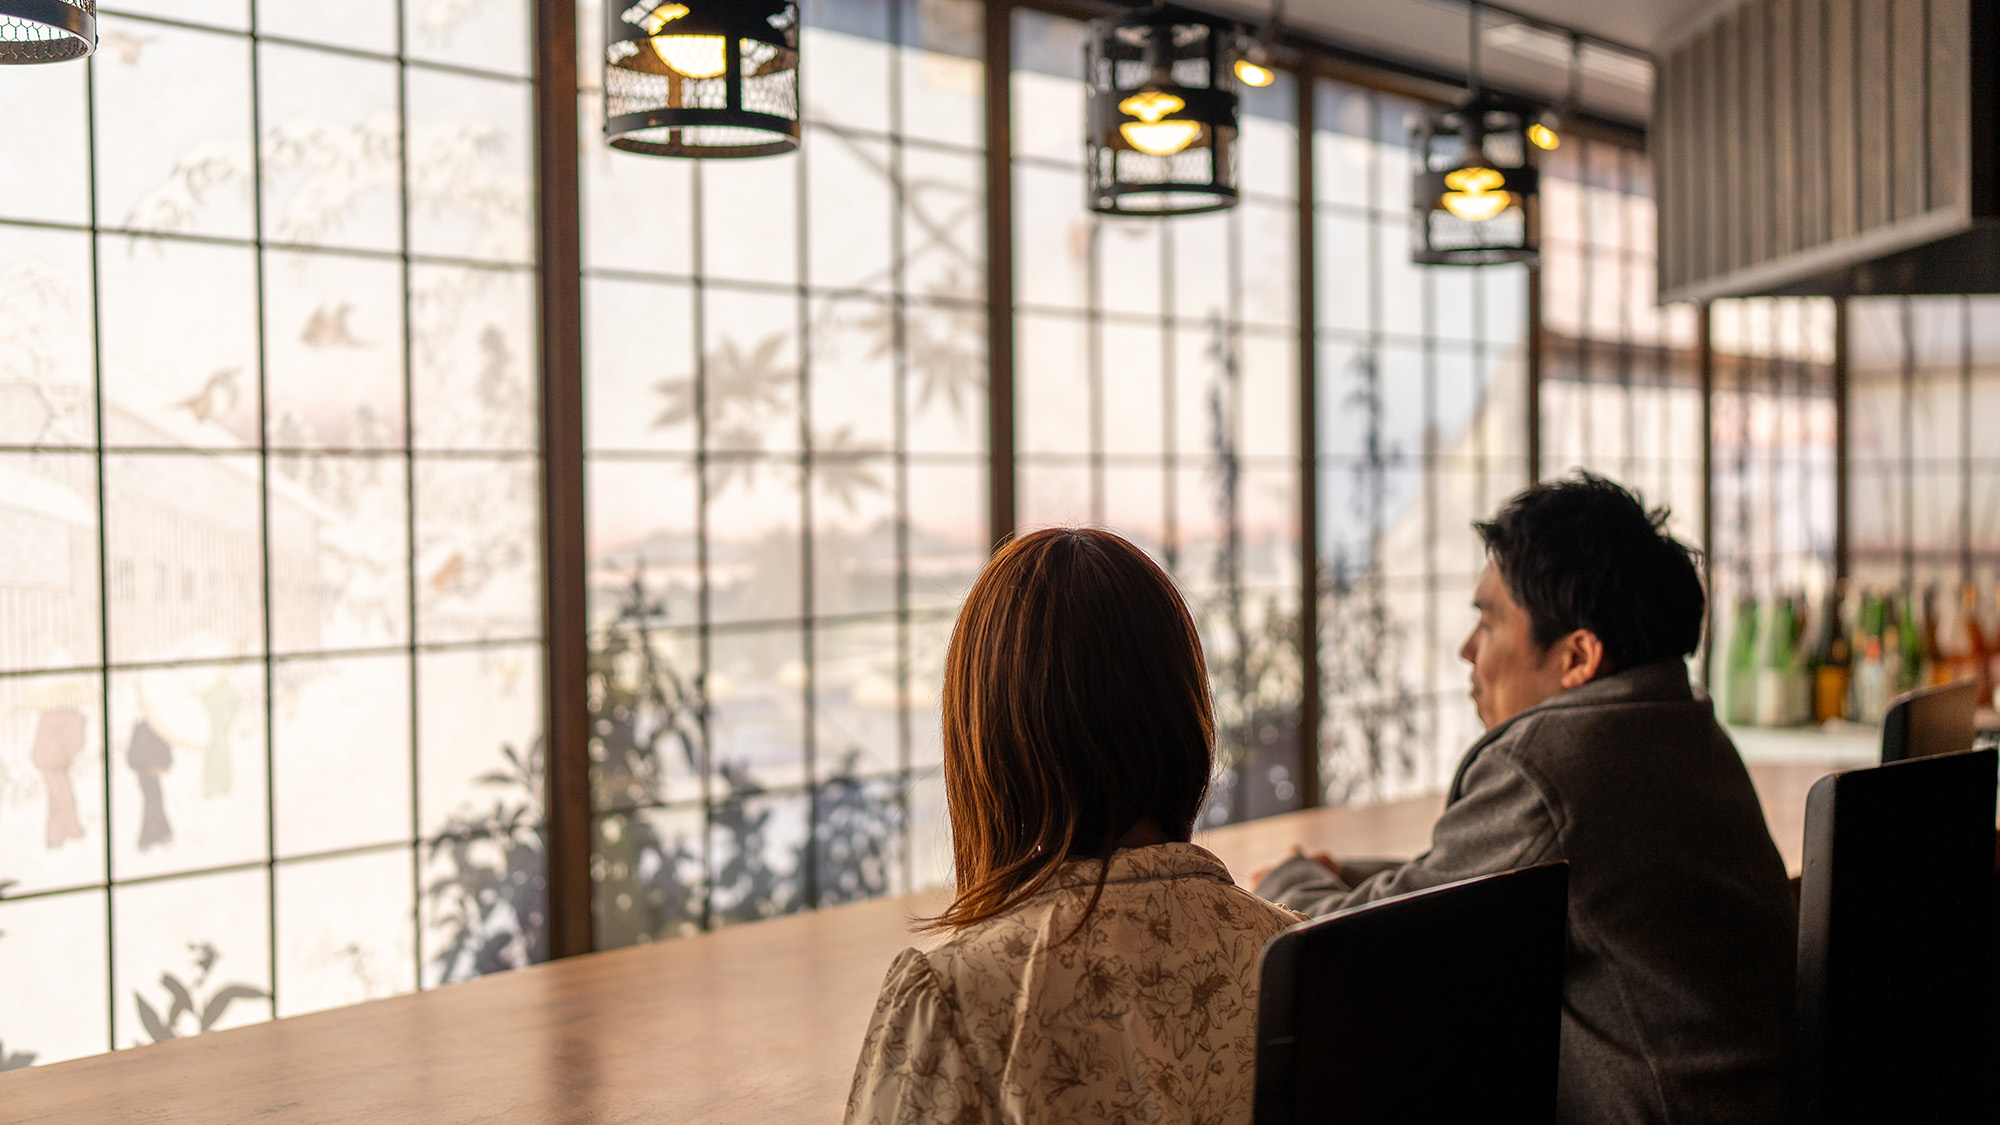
x=1742 y=671
x=1911 y=645
x=1774 y=664
x=1936 y=668
x=1832 y=659
x=1871 y=672
x=1978 y=650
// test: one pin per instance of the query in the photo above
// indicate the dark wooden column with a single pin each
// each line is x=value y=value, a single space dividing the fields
x=558 y=221
x=1534 y=357
x=999 y=269
x=1705 y=362
x=1842 y=564
x=1309 y=702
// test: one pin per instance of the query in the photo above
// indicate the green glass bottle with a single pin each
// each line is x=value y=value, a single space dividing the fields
x=1777 y=660
x=1742 y=671
x=1911 y=672
x=1871 y=671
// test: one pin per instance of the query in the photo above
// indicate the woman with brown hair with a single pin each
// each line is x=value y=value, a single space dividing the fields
x=1094 y=965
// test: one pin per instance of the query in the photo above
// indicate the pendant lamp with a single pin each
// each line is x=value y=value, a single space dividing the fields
x=1253 y=63
x=1162 y=113
x=1474 y=196
x=1547 y=130
x=41 y=31
x=701 y=78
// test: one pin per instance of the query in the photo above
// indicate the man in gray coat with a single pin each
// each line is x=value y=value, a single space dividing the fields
x=1677 y=993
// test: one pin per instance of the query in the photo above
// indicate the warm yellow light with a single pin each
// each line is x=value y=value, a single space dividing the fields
x=1253 y=75
x=1474 y=179
x=1150 y=105
x=1163 y=138
x=1476 y=206
x=693 y=56
x=1541 y=136
x=662 y=16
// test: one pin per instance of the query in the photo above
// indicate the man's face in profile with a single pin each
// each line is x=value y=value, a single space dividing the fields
x=1510 y=673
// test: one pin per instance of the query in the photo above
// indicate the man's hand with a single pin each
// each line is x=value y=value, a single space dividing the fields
x=1321 y=858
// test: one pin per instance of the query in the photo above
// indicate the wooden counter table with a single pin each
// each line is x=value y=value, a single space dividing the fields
x=756 y=1023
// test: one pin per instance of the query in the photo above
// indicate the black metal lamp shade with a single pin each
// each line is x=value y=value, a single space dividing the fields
x=1162 y=113
x=701 y=78
x=1475 y=196
x=41 y=31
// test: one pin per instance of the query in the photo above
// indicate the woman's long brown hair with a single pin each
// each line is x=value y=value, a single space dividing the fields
x=1075 y=707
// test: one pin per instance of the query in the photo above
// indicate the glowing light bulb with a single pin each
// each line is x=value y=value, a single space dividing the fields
x=1543 y=137
x=1250 y=74
x=1151 y=135
x=693 y=56
x=1476 y=206
x=1150 y=105
x=1475 y=194
x=661 y=16
x=1164 y=138
x=1474 y=179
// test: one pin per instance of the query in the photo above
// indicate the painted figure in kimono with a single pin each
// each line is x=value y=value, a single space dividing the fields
x=150 y=756
x=58 y=740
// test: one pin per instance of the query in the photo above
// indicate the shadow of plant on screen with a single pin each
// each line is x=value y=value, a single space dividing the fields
x=12 y=1060
x=1252 y=642
x=184 y=1007
x=1375 y=727
x=654 y=876
x=491 y=894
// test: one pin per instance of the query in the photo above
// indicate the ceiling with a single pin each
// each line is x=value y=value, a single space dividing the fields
x=1433 y=34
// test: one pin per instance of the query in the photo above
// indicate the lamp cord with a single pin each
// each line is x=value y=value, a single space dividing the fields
x=1472 y=49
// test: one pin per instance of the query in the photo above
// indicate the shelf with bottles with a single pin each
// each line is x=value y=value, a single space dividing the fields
x=1843 y=661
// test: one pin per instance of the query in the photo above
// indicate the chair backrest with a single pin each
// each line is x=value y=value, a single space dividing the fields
x=1895 y=928
x=1442 y=1005
x=1932 y=720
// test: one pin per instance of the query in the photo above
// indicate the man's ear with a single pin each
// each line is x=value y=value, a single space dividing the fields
x=1580 y=657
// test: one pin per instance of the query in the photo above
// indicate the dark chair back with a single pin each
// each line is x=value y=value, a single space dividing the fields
x=1443 y=1005
x=1932 y=720
x=1895 y=928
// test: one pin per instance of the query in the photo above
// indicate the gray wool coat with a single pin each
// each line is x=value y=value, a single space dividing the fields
x=1682 y=931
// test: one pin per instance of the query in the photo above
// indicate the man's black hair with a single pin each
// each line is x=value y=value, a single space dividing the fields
x=1584 y=553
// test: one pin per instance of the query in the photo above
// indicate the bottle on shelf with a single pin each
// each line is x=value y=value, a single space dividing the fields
x=1915 y=669
x=1937 y=665
x=1741 y=673
x=1951 y=661
x=1801 y=680
x=1989 y=620
x=1871 y=665
x=1774 y=664
x=1978 y=649
x=1832 y=661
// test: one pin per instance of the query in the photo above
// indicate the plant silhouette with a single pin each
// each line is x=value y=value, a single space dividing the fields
x=183 y=1005
x=493 y=897
x=1255 y=672
x=1360 y=645
x=647 y=723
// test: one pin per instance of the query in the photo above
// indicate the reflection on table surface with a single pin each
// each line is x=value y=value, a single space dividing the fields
x=755 y=1023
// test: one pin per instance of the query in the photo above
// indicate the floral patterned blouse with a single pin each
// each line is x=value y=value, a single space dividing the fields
x=1149 y=1014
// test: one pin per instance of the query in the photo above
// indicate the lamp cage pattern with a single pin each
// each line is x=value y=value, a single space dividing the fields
x=1162 y=113
x=702 y=78
x=1475 y=193
x=44 y=31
